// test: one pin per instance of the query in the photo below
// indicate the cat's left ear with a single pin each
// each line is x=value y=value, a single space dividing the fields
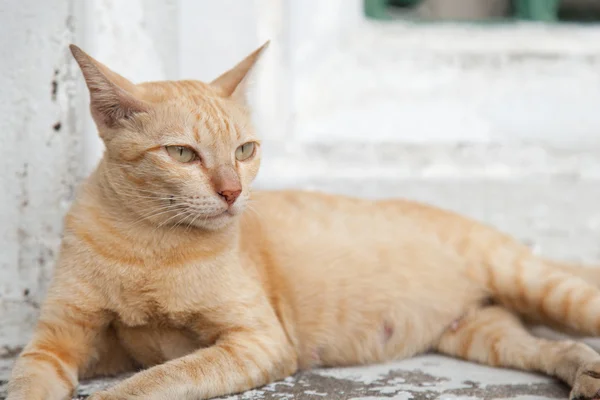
x=234 y=83
x=112 y=97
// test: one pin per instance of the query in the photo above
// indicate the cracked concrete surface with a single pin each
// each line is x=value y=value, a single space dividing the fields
x=425 y=377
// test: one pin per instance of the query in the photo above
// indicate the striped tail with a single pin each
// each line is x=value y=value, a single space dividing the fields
x=560 y=295
x=545 y=293
x=556 y=294
x=589 y=273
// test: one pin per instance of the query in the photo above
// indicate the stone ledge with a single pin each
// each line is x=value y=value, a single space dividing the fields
x=424 y=377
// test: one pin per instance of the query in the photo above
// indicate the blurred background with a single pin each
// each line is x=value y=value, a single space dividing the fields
x=487 y=107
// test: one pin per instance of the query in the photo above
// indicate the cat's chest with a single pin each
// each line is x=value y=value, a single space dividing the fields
x=159 y=318
x=178 y=297
x=140 y=299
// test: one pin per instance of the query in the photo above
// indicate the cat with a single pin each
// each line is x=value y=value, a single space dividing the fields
x=170 y=264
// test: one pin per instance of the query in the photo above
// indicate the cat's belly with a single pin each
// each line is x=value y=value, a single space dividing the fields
x=152 y=344
x=398 y=334
x=379 y=308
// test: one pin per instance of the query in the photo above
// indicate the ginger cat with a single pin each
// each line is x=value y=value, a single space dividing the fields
x=161 y=267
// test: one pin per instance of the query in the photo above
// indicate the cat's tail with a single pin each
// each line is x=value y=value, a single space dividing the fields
x=554 y=293
x=558 y=294
x=590 y=273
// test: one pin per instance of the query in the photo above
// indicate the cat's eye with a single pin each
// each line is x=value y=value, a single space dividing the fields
x=181 y=153
x=245 y=151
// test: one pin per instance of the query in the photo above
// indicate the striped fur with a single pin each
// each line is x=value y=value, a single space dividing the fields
x=158 y=272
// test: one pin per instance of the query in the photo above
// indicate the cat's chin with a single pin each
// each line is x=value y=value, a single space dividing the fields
x=215 y=222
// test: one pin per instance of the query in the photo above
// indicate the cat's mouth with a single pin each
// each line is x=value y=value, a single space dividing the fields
x=214 y=221
x=211 y=217
x=215 y=216
x=222 y=214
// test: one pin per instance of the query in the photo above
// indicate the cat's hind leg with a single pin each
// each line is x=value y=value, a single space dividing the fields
x=495 y=336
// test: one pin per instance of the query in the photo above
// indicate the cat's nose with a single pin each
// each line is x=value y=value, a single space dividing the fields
x=230 y=196
x=226 y=183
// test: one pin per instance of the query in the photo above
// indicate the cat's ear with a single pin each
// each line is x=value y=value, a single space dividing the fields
x=112 y=97
x=234 y=83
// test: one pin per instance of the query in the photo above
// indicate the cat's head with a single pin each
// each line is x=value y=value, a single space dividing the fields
x=177 y=152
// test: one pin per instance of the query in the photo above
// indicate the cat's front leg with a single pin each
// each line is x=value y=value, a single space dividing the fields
x=239 y=361
x=48 y=367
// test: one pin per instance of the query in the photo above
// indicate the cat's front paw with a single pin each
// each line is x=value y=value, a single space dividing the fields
x=587 y=383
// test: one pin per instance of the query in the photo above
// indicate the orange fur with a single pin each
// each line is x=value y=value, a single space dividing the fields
x=161 y=267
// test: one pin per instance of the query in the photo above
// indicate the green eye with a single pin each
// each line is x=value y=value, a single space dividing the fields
x=245 y=151
x=181 y=153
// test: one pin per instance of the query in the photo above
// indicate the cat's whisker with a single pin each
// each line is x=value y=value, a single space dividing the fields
x=182 y=220
x=181 y=216
x=122 y=189
x=154 y=213
x=191 y=224
x=163 y=223
x=253 y=210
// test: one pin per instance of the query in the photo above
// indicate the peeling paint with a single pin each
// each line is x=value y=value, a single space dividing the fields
x=429 y=377
x=54 y=84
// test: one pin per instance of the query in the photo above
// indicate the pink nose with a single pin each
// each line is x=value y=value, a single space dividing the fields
x=226 y=183
x=230 y=196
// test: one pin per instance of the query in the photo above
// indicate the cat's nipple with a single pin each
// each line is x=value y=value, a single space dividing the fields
x=456 y=324
x=388 y=331
x=315 y=357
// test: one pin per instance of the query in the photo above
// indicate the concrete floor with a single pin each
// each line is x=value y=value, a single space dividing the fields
x=425 y=377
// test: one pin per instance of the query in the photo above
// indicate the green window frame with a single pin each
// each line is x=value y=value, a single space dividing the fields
x=526 y=10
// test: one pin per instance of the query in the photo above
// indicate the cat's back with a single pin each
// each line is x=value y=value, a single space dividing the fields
x=314 y=224
x=306 y=231
x=322 y=208
x=310 y=212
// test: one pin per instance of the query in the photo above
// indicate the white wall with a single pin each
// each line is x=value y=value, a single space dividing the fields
x=497 y=122
x=41 y=152
x=48 y=143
